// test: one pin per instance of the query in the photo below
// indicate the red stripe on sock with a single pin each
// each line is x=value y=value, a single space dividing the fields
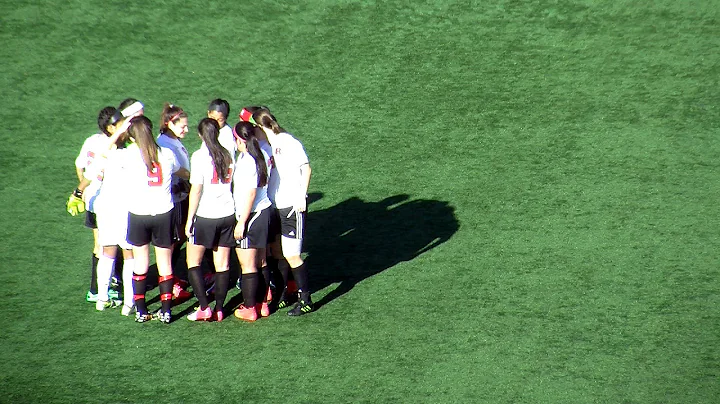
x=139 y=297
x=139 y=277
x=165 y=278
x=166 y=296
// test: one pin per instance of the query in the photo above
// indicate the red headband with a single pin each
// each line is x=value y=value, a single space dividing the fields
x=174 y=117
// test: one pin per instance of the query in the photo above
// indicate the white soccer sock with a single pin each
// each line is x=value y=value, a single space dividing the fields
x=127 y=275
x=104 y=272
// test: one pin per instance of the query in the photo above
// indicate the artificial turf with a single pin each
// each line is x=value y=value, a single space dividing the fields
x=513 y=201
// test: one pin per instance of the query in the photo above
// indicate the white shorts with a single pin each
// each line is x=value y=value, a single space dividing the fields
x=112 y=229
x=291 y=246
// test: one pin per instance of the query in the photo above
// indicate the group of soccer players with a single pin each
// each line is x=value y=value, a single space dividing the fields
x=245 y=188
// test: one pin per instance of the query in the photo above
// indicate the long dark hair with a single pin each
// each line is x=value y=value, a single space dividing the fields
x=209 y=129
x=246 y=132
x=106 y=118
x=264 y=118
x=141 y=130
x=170 y=113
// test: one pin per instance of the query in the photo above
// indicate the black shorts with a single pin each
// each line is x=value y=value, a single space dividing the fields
x=273 y=225
x=144 y=229
x=293 y=226
x=90 y=220
x=211 y=233
x=256 y=230
x=180 y=216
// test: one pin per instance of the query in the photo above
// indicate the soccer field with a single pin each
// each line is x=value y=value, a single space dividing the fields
x=512 y=201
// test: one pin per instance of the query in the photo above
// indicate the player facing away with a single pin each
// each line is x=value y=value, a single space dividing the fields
x=219 y=110
x=149 y=169
x=210 y=218
x=252 y=210
x=108 y=121
x=173 y=128
x=293 y=169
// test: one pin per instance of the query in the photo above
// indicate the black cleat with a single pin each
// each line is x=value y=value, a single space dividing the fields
x=163 y=316
x=301 y=307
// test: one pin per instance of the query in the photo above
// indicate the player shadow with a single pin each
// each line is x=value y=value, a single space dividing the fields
x=355 y=239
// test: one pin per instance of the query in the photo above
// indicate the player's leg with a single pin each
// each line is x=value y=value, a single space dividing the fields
x=106 y=263
x=195 y=254
x=161 y=229
x=248 y=268
x=138 y=235
x=293 y=230
x=91 y=223
x=127 y=280
x=221 y=259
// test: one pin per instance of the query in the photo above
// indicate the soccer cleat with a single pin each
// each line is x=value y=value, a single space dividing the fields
x=142 y=317
x=91 y=297
x=263 y=309
x=127 y=310
x=163 y=316
x=201 y=315
x=180 y=293
x=219 y=315
x=268 y=296
x=246 y=313
x=114 y=294
x=101 y=305
x=301 y=307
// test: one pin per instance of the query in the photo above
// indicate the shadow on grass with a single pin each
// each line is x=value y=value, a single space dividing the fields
x=355 y=240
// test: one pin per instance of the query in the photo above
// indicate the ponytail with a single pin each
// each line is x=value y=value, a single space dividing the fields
x=209 y=129
x=141 y=130
x=245 y=131
x=264 y=118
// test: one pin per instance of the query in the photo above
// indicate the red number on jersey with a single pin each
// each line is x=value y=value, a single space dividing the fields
x=155 y=175
x=271 y=162
x=226 y=180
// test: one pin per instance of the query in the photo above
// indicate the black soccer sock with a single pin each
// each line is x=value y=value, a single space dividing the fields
x=284 y=269
x=249 y=289
x=197 y=281
x=301 y=277
x=165 y=284
x=93 y=275
x=139 y=282
x=263 y=282
x=222 y=281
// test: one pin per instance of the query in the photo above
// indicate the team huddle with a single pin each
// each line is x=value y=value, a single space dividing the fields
x=245 y=188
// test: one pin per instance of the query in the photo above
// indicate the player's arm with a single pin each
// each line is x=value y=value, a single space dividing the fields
x=243 y=209
x=193 y=202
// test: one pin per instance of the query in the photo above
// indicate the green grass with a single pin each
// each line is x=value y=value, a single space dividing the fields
x=516 y=201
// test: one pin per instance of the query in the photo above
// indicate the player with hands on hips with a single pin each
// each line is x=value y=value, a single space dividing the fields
x=252 y=210
x=293 y=169
x=210 y=218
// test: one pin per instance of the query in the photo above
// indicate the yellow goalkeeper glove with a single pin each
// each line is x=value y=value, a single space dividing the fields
x=75 y=203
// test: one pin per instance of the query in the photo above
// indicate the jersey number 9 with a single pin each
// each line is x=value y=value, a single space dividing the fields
x=155 y=176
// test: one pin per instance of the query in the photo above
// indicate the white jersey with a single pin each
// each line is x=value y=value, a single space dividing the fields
x=216 y=200
x=227 y=140
x=149 y=190
x=246 y=178
x=288 y=156
x=93 y=147
x=273 y=177
x=182 y=157
x=112 y=194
